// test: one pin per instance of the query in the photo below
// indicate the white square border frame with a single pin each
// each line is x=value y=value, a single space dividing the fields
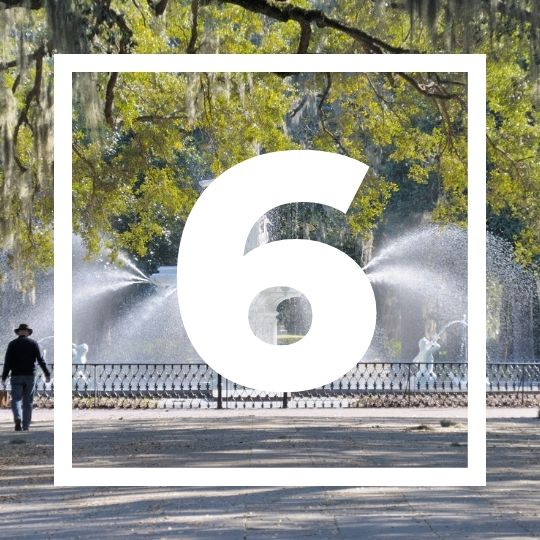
x=472 y=475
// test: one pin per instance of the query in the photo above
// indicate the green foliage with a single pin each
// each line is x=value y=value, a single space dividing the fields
x=141 y=150
x=513 y=129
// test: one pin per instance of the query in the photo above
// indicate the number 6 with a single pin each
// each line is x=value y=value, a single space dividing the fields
x=217 y=282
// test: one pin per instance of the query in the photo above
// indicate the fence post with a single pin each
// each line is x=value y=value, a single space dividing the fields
x=522 y=384
x=409 y=384
x=219 y=392
x=285 y=404
x=95 y=387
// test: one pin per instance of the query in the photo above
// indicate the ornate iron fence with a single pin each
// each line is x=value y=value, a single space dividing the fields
x=386 y=384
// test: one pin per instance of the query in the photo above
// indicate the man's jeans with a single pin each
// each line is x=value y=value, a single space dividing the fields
x=22 y=391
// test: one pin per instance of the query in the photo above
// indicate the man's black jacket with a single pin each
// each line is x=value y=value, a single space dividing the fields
x=21 y=357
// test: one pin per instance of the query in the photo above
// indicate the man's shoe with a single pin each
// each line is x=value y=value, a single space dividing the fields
x=18 y=425
x=25 y=428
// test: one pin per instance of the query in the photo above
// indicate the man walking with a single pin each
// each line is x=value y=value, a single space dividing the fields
x=21 y=356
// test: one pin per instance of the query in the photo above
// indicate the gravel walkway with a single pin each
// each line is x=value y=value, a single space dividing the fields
x=507 y=508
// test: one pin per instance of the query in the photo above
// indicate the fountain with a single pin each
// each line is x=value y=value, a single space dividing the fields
x=419 y=278
x=264 y=316
x=420 y=281
x=424 y=375
x=513 y=315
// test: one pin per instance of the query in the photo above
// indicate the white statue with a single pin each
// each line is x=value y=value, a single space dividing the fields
x=80 y=352
x=46 y=345
x=263 y=236
x=78 y=356
x=425 y=359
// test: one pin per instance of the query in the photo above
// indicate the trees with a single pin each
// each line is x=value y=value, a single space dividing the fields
x=360 y=116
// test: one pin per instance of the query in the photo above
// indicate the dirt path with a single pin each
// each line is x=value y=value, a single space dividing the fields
x=509 y=507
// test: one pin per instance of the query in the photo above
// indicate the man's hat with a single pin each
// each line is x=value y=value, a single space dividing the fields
x=23 y=326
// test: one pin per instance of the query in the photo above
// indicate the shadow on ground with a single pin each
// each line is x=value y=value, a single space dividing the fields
x=508 y=508
x=251 y=440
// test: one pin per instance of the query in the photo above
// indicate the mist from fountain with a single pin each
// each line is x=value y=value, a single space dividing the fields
x=35 y=309
x=418 y=277
x=463 y=322
x=99 y=276
x=420 y=282
x=513 y=305
x=148 y=329
x=430 y=261
x=426 y=268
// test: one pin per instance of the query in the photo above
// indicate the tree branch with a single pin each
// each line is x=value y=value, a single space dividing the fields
x=127 y=34
x=109 y=98
x=207 y=96
x=126 y=41
x=505 y=154
x=305 y=36
x=32 y=4
x=287 y=12
x=32 y=95
x=370 y=44
x=86 y=161
x=140 y=10
x=158 y=7
x=431 y=89
x=382 y=100
x=322 y=121
x=40 y=51
x=191 y=47
x=157 y=118
x=298 y=108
